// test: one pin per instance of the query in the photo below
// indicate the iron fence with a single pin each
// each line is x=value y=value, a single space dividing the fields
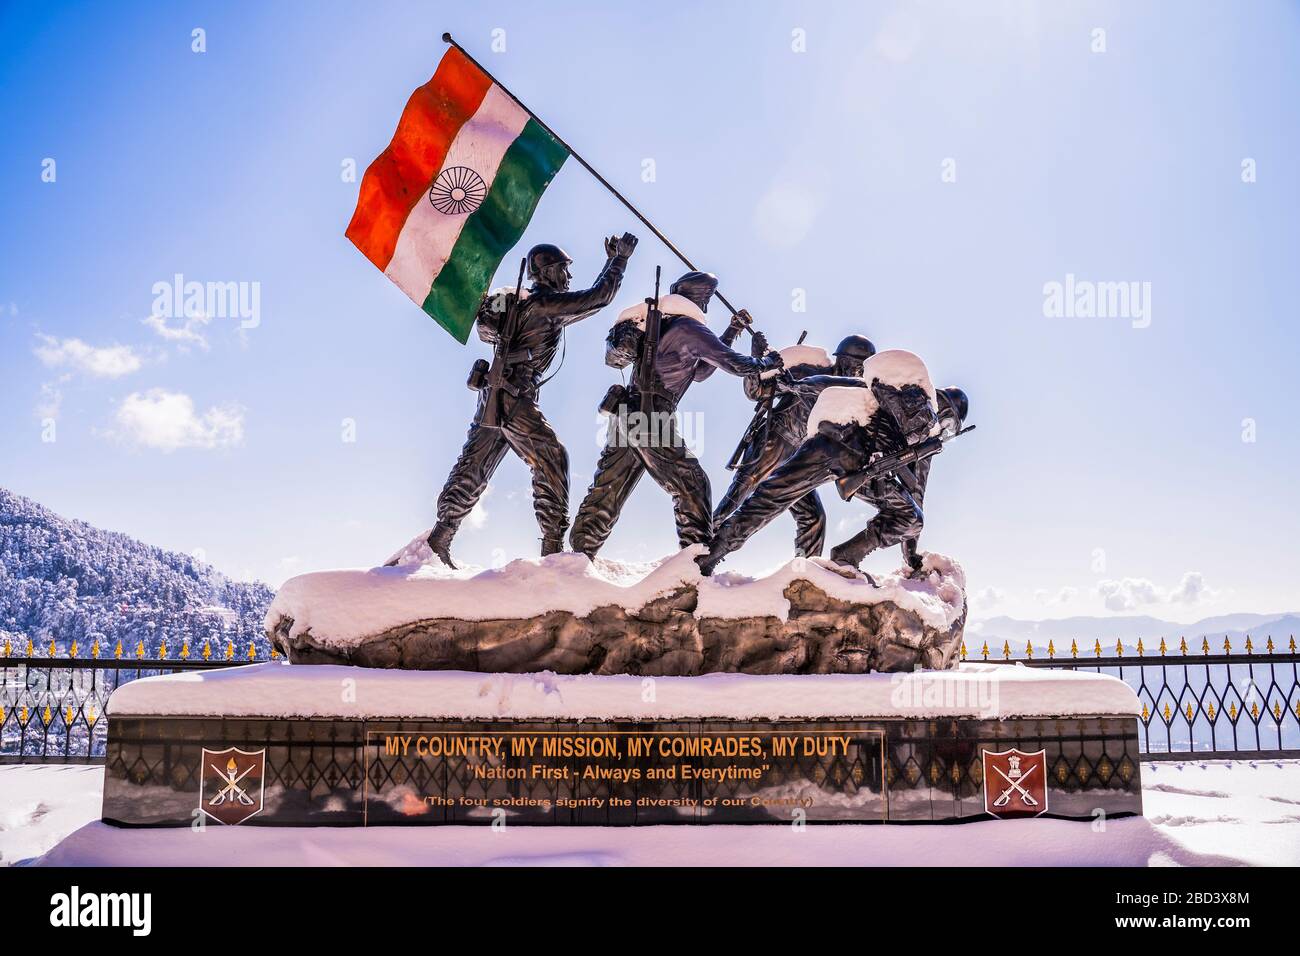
x=52 y=703
x=1196 y=701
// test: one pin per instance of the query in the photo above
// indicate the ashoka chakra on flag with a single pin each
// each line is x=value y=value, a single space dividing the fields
x=457 y=190
x=480 y=162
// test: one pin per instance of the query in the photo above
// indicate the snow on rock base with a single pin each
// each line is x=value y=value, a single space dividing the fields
x=568 y=614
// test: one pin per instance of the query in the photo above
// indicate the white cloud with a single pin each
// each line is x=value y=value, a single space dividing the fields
x=189 y=332
x=1064 y=596
x=1192 y=590
x=167 y=421
x=986 y=598
x=111 y=361
x=1132 y=593
x=1127 y=594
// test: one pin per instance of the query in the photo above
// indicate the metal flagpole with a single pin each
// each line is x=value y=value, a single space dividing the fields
x=588 y=167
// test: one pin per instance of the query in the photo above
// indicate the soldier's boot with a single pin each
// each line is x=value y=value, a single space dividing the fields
x=552 y=544
x=440 y=543
x=913 y=558
x=850 y=553
x=710 y=559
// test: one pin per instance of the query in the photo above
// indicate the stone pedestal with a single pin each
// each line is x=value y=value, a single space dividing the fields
x=570 y=615
x=284 y=745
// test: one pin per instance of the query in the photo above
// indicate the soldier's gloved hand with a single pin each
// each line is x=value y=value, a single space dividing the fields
x=784 y=382
x=758 y=345
x=620 y=245
x=739 y=322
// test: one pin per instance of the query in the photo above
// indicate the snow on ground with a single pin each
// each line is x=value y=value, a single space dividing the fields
x=343 y=607
x=41 y=804
x=281 y=690
x=1249 y=810
x=1198 y=814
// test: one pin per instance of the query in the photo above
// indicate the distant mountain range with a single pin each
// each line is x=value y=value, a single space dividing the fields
x=1108 y=630
x=66 y=580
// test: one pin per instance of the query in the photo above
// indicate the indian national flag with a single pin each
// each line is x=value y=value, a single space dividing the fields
x=453 y=191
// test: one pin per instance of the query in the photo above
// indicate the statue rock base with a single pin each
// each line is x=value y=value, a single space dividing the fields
x=569 y=615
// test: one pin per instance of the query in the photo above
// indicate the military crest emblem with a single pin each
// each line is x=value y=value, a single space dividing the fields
x=231 y=784
x=1015 y=783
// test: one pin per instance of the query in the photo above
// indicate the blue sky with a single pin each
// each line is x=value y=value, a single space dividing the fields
x=1111 y=470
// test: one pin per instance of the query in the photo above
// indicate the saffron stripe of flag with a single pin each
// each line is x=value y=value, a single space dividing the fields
x=454 y=191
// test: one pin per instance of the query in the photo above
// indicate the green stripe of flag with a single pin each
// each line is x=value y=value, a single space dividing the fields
x=493 y=228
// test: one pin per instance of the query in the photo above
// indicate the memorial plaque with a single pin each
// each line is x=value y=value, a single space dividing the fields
x=624 y=773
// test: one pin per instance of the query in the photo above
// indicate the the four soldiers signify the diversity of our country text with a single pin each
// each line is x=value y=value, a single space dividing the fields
x=869 y=421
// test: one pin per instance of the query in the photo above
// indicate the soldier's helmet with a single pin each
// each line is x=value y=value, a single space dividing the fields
x=856 y=346
x=547 y=264
x=956 y=404
x=696 y=286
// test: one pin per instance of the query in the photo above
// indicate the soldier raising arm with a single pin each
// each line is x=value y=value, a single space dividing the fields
x=522 y=354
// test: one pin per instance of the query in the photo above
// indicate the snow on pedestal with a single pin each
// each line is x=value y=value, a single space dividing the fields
x=568 y=614
x=970 y=690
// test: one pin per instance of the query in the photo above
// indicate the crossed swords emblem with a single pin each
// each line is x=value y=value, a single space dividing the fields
x=1025 y=796
x=232 y=790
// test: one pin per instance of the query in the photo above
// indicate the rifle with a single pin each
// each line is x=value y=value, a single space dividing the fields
x=898 y=464
x=758 y=425
x=500 y=369
x=645 y=366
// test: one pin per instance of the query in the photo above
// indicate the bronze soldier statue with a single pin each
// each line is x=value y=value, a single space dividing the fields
x=898 y=414
x=524 y=334
x=670 y=351
x=898 y=501
x=779 y=426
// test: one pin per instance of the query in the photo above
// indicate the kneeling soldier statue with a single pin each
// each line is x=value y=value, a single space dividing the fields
x=780 y=423
x=899 y=498
x=671 y=346
x=524 y=332
x=855 y=436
